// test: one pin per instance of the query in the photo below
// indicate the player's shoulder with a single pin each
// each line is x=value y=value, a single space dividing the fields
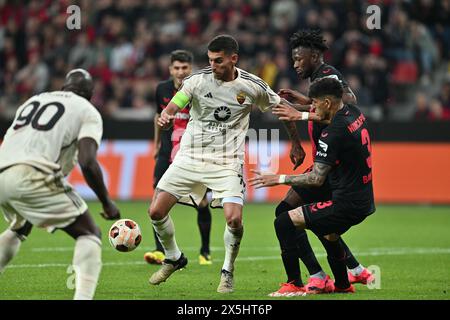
x=253 y=80
x=346 y=119
x=74 y=103
x=199 y=74
x=327 y=71
x=165 y=85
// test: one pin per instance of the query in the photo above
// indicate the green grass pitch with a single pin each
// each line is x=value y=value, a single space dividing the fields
x=409 y=244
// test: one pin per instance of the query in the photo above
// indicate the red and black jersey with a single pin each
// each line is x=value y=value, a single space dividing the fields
x=314 y=128
x=170 y=139
x=345 y=145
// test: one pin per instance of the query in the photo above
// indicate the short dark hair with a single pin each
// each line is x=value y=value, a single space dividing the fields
x=326 y=87
x=80 y=82
x=182 y=56
x=312 y=39
x=225 y=43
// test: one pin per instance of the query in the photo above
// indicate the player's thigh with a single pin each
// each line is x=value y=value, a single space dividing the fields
x=82 y=226
x=161 y=204
x=53 y=210
x=297 y=217
x=44 y=203
x=225 y=183
x=180 y=180
x=310 y=195
x=323 y=218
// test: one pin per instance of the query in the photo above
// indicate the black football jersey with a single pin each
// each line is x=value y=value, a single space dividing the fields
x=164 y=93
x=314 y=128
x=345 y=145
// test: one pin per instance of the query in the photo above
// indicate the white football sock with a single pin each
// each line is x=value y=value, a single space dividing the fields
x=358 y=270
x=232 y=239
x=87 y=263
x=321 y=275
x=9 y=246
x=165 y=230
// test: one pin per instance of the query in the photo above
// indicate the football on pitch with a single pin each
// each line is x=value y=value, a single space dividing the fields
x=125 y=235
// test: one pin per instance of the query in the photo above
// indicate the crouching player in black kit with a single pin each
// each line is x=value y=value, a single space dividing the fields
x=343 y=154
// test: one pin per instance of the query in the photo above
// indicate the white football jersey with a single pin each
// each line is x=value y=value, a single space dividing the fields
x=220 y=113
x=46 y=130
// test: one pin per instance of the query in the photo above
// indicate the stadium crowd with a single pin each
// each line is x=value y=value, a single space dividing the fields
x=125 y=45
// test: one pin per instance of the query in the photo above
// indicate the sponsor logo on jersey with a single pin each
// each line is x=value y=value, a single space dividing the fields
x=321 y=154
x=208 y=95
x=323 y=145
x=222 y=113
x=324 y=134
x=240 y=97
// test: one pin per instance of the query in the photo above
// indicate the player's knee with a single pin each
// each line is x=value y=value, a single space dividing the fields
x=283 y=225
x=234 y=221
x=156 y=213
x=283 y=206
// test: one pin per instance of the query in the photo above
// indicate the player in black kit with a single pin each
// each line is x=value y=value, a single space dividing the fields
x=167 y=144
x=307 y=53
x=344 y=158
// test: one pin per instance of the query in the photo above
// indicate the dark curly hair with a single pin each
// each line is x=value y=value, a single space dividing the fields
x=326 y=87
x=312 y=39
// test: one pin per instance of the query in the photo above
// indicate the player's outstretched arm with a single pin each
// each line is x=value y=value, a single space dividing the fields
x=287 y=112
x=297 y=154
x=295 y=96
x=312 y=179
x=87 y=158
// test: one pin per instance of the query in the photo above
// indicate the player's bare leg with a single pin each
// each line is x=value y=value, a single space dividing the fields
x=10 y=241
x=87 y=256
x=165 y=230
x=232 y=239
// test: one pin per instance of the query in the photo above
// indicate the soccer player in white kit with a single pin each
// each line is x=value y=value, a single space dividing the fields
x=50 y=132
x=211 y=154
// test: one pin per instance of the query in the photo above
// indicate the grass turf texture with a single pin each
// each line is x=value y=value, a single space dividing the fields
x=410 y=244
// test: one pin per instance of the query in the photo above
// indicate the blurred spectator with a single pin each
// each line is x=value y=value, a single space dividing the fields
x=125 y=45
x=422 y=107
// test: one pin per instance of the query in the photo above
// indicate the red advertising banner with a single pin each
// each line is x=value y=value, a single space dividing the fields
x=402 y=172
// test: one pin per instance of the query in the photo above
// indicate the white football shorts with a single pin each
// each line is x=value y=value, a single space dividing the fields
x=46 y=201
x=188 y=182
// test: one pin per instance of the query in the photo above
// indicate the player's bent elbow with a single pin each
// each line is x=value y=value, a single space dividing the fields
x=316 y=183
x=87 y=165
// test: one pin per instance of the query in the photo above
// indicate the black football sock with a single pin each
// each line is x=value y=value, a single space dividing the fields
x=285 y=231
x=158 y=244
x=336 y=258
x=350 y=260
x=306 y=253
x=204 y=225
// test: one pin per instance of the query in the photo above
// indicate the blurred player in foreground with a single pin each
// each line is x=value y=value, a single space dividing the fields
x=50 y=132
